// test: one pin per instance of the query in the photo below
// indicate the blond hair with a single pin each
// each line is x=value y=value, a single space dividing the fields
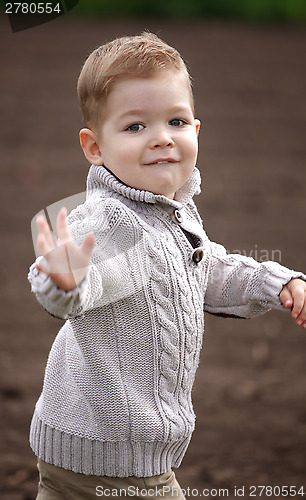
x=139 y=56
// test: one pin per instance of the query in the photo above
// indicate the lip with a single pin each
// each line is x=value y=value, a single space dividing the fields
x=161 y=161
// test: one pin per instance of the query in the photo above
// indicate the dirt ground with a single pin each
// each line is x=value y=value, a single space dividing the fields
x=250 y=391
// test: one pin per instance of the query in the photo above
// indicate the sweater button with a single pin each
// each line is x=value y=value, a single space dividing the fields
x=197 y=255
x=178 y=216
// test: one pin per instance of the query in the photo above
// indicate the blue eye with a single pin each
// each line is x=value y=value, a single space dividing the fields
x=177 y=122
x=135 y=127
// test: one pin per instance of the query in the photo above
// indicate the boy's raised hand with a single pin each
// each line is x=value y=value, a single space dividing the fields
x=293 y=295
x=63 y=260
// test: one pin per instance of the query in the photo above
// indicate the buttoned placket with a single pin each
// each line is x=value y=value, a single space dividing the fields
x=191 y=227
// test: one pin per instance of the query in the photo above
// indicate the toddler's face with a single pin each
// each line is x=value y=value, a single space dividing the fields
x=148 y=138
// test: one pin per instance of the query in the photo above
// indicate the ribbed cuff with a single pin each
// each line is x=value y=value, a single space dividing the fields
x=58 y=302
x=276 y=278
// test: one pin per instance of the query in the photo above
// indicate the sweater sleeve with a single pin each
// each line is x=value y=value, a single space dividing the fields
x=241 y=287
x=108 y=277
x=63 y=304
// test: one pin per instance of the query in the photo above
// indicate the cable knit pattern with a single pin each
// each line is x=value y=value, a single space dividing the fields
x=116 y=398
x=168 y=336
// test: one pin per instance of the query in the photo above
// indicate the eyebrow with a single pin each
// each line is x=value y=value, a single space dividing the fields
x=132 y=112
x=175 y=109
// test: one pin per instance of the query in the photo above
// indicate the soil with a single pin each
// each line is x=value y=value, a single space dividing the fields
x=249 y=84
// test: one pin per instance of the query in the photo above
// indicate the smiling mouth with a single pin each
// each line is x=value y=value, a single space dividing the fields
x=162 y=162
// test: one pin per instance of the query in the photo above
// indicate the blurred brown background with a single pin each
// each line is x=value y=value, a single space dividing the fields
x=250 y=83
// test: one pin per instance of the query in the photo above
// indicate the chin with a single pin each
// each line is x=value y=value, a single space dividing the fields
x=165 y=188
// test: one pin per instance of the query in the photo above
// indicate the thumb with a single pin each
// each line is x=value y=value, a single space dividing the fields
x=286 y=297
x=42 y=264
x=88 y=244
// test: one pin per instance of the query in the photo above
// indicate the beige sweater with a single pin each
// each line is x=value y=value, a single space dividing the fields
x=116 y=398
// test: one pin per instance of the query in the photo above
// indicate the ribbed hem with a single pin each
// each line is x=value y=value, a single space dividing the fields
x=114 y=459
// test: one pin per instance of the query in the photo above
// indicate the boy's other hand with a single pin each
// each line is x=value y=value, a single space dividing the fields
x=293 y=295
x=62 y=259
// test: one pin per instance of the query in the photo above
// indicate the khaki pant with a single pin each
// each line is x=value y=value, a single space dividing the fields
x=56 y=483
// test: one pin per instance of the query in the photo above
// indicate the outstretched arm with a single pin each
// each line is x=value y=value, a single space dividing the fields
x=74 y=278
x=239 y=286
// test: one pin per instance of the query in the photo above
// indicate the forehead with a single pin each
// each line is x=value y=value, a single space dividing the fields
x=155 y=91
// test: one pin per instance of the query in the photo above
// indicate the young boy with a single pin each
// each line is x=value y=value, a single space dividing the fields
x=132 y=272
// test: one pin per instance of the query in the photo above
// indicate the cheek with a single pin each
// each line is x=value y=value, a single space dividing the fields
x=128 y=149
x=191 y=146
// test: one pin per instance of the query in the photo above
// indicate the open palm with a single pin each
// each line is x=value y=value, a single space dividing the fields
x=64 y=261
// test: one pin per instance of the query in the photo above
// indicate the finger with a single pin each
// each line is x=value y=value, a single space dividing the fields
x=42 y=264
x=301 y=318
x=88 y=245
x=44 y=229
x=42 y=245
x=62 y=228
x=302 y=321
x=298 y=302
x=286 y=297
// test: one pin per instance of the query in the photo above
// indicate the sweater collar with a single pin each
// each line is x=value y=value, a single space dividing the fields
x=99 y=176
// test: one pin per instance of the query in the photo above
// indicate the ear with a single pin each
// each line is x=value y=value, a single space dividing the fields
x=90 y=146
x=197 y=126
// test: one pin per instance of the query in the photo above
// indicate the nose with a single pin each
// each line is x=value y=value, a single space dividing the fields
x=161 y=138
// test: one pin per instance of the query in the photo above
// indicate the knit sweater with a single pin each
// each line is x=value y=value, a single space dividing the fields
x=116 y=398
